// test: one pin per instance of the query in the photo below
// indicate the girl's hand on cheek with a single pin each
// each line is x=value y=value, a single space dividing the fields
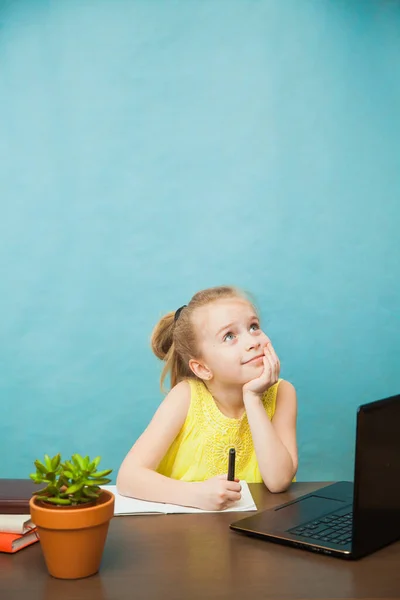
x=268 y=377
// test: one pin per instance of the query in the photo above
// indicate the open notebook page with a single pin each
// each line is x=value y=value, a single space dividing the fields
x=132 y=506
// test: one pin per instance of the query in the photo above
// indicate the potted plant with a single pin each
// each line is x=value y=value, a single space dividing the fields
x=72 y=513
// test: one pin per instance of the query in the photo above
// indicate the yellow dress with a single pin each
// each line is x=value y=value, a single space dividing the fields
x=200 y=450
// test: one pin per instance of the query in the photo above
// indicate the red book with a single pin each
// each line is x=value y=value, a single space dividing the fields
x=12 y=542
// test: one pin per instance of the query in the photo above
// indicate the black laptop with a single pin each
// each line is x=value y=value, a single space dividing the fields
x=346 y=519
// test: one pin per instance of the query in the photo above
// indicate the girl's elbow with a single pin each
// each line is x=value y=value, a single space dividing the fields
x=129 y=477
x=120 y=482
x=124 y=479
x=280 y=485
x=278 y=488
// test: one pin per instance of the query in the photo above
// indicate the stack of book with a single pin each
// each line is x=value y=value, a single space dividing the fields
x=16 y=528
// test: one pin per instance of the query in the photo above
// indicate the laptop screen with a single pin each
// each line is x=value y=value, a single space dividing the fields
x=377 y=471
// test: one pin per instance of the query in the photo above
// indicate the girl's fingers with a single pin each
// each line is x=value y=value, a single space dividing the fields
x=267 y=374
x=234 y=486
x=275 y=360
x=271 y=358
x=233 y=496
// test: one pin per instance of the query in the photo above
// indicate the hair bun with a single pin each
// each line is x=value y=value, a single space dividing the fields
x=162 y=336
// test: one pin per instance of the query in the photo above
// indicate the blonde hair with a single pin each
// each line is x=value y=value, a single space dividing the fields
x=174 y=340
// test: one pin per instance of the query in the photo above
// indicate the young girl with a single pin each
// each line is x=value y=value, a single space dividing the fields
x=226 y=392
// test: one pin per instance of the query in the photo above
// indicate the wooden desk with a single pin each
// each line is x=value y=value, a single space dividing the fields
x=191 y=557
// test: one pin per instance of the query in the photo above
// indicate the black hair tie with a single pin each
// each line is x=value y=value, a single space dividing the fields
x=178 y=312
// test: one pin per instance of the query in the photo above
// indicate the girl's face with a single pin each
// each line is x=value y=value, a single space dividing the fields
x=231 y=342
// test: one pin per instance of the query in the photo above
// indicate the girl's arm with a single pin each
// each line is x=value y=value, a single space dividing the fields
x=137 y=475
x=274 y=441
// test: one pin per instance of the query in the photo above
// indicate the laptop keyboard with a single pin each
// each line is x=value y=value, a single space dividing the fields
x=331 y=528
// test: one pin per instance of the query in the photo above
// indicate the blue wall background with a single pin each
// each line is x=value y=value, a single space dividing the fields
x=150 y=149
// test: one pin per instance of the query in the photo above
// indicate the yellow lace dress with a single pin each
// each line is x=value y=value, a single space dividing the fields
x=200 y=450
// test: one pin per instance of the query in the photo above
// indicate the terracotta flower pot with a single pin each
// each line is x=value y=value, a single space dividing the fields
x=73 y=540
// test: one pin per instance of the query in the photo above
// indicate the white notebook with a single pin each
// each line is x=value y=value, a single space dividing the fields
x=133 y=506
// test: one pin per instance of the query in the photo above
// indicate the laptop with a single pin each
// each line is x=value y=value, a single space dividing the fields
x=346 y=519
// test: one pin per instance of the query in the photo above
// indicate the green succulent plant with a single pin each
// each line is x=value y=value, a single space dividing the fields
x=69 y=483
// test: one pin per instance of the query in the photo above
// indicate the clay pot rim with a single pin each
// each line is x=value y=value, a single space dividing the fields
x=41 y=506
x=58 y=507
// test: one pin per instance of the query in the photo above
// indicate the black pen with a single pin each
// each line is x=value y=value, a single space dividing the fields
x=231 y=465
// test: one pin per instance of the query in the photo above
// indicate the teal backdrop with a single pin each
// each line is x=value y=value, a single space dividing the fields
x=149 y=149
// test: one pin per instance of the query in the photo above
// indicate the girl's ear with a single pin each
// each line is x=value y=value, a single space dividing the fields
x=200 y=369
